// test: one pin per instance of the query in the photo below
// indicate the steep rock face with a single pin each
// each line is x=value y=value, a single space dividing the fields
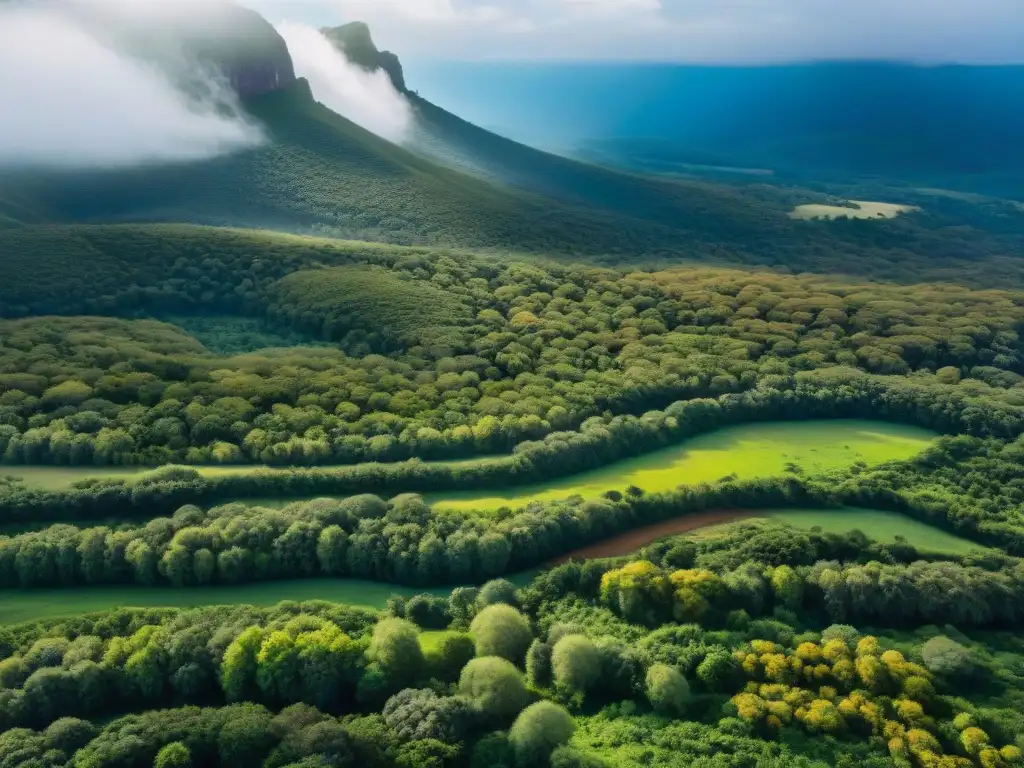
x=356 y=42
x=246 y=47
x=239 y=42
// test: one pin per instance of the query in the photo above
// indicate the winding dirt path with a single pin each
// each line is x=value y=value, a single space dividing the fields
x=630 y=541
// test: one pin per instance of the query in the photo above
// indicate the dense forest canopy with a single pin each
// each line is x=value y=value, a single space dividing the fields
x=272 y=408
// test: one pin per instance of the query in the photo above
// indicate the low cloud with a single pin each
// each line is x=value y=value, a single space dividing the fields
x=71 y=101
x=366 y=98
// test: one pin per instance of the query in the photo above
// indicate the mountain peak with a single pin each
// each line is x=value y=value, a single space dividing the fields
x=356 y=42
x=238 y=41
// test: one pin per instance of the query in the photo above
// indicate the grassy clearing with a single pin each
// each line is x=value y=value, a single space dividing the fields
x=62 y=478
x=864 y=210
x=431 y=639
x=748 y=451
x=36 y=604
x=33 y=605
x=881 y=526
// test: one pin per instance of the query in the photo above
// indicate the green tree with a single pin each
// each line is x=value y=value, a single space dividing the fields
x=238 y=668
x=174 y=755
x=538 y=731
x=718 y=671
x=538 y=664
x=493 y=751
x=501 y=630
x=449 y=657
x=495 y=592
x=667 y=689
x=788 y=587
x=947 y=657
x=396 y=648
x=495 y=685
x=575 y=664
x=69 y=734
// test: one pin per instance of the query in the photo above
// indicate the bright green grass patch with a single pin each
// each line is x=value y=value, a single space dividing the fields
x=864 y=210
x=430 y=640
x=881 y=526
x=36 y=604
x=748 y=451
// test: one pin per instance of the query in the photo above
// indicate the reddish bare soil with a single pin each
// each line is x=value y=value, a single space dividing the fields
x=630 y=541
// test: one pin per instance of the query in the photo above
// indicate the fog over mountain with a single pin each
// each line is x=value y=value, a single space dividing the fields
x=77 y=99
x=366 y=98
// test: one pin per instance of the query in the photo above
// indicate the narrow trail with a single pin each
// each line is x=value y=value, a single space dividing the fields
x=630 y=541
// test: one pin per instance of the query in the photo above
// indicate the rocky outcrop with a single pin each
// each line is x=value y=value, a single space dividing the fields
x=356 y=42
x=246 y=48
x=239 y=42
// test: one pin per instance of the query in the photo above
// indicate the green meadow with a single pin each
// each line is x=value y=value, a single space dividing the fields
x=18 y=605
x=747 y=451
x=33 y=605
x=881 y=526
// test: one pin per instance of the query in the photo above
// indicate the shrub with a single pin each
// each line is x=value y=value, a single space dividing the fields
x=575 y=663
x=496 y=592
x=538 y=730
x=946 y=657
x=667 y=689
x=501 y=630
x=495 y=686
x=174 y=755
x=396 y=648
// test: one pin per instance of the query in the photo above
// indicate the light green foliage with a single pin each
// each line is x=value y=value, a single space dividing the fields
x=450 y=654
x=396 y=648
x=575 y=664
x=496 y=591
x=945 y=656
x=501 y=630
x=371 y=301
x=538 y=730
x=667 y=689
x=881 y=526
x=174 y=755
x=495 y=685
x=748 y=451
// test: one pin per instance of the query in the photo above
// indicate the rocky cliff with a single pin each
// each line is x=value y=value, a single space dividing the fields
x=239 y=42
x=245 y=47
x=356 y=42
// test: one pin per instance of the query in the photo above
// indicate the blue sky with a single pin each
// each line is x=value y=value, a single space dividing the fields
x=974 y=31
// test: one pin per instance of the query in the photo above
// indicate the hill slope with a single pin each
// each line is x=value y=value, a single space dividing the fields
x=322 y=172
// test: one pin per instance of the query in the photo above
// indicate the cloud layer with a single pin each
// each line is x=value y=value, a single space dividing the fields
x=725 y=31
x=366 y=98
x=70 y=101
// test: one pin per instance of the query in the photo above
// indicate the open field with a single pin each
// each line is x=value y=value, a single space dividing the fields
x=33 y=605
x=747 y=451
x=864 y=210
x=48 y=478
x=881 y=526
x=431 y=639
x=17 y=605
x=630 y=541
